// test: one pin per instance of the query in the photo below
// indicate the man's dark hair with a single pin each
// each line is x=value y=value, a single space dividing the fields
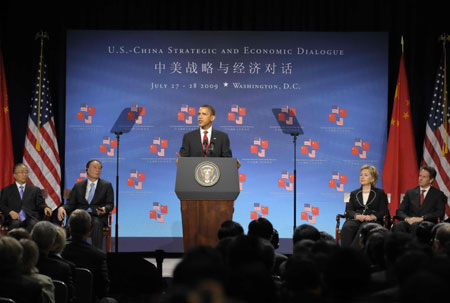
x=260 y=228
x=79 y=223
x=229 y=228
x=211 y=109
x=90 y=161
x=430 y=170
x=306 y=231
x=17 y=165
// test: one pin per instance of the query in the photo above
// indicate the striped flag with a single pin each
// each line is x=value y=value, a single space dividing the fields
x=435 y=146
x=41 y=148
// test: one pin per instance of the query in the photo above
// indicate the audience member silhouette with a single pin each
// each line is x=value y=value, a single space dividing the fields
x=229 y=229
x=44 y=234
x=306 y=231
x=30 y=258
x=13 y=284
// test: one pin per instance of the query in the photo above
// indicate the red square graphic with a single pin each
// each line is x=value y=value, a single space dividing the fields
x=331 y=118
x=91 y=111
x=231 y=117
x=343 y=112
x=332 y=183
x=130 y=116
x=180 y=116
x=164 y=143
x=253 y=149
x=242 y=111
x=153 y=148
x=80 y=116
x=304 y=150
x=265 y=144
x=355 y=150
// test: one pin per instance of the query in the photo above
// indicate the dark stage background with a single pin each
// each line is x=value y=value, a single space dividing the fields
x=420 y=22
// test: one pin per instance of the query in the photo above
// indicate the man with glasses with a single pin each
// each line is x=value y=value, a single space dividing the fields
x=22 y=203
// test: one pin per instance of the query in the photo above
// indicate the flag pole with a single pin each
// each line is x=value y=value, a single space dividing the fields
x=40 y=35
x=444 y=38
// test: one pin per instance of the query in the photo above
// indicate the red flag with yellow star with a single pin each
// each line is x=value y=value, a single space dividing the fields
x=400 y=171
x=6 y=150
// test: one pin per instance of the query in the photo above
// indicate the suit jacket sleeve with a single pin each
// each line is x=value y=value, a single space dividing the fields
x=439 y=211
x=403 y=209
x=350 y=208
x=4 y=208
x=382 y=205
x=226 y=151
x=74 y=198
x=184 y=150
x=109 y=197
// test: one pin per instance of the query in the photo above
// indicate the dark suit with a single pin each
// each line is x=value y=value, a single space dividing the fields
x=87 y=256
x=32 y=203
x=103 y=197
x=433 y=207
x=20 y=288
x=377 y=205
x=218 y=147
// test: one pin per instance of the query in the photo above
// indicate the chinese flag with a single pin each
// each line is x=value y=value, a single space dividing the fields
x=80 y=116
x=281 y=183
x=242 y=177
x=315 y=144
x=152 y=214
x=343 y=113
x=79 y=180
x=191 y=111
x=130 y=116
x=114 y=143
x=141 y=111
x=292 y=112
x=331 y=118
x=242 y=111
x=231 y=116
x=366 y=145
x=315 y=211
x=164 y=209
x=400 y=170
x=355 y=150
x=253 y=149
x=304 y=150
x=153 y=148
x=141 y=176
x=291 y=178
x=265 y=210
x=130 y=182
x=332 y=183
x=102 y=148
x=164 y=143
x=304 y=216
x=91 y=111
x=253 y=215
x=265 y=144
x=281 y=117
x=180 y=116
x=343 y=179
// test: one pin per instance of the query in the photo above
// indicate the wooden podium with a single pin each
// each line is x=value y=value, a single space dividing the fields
x=206 y=200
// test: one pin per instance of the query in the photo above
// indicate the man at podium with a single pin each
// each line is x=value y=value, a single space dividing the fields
x=206 y=141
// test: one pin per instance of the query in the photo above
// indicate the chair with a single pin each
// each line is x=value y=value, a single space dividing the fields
x=61 y=291
x=6 y=300
x=386 y=222
x=106 y=229
x=84 y=284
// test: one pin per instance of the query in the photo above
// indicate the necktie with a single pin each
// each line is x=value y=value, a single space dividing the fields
x=21 y=191
x=422 y=197
x=91 y=193
x=205 y=143
x=22 y=215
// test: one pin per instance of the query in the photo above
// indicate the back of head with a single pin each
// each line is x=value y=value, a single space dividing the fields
x=443 y=237
x=229 y=229
x=10 y=255
x=79 y=223
x=423 y=232
x=44 y=234
x=395 y=245
x=19 y=233
x=260 y=228
x=60 y=241
x=30 y=256
x=306 y=231
x=250 y=249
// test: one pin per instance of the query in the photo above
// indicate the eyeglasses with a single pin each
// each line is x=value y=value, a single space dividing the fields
x=21 y=172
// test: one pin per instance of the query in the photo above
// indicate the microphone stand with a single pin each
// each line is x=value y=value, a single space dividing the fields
x=116 y=242
x=295 y=178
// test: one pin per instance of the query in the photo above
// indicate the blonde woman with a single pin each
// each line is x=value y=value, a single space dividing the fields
x=367 y=204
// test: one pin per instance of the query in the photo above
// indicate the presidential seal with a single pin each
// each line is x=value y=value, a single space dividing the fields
x=207 y=173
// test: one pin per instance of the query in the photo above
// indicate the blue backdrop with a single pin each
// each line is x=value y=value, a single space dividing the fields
x=333 y=84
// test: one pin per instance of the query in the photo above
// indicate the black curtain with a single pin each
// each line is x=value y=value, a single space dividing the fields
x=420 y=22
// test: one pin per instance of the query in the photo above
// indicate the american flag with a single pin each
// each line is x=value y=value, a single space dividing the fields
x=41 y=153
x=435 y=147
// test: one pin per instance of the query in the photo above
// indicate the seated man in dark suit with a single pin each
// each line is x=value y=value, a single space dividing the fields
x=206 y=141
x=22 y=203
x=94 y=195
x=83 y=254
x=422 y=203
